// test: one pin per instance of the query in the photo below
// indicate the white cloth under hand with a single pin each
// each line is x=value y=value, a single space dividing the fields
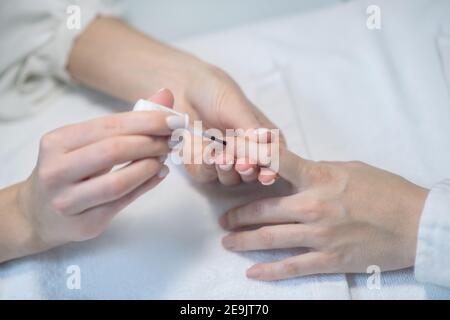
x=35 y=43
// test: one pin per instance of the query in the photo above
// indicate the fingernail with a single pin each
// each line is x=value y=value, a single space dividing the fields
x=266 y=172
x=163 y=172
x=261 y=131
x=262 y=134
x=173 y=143
x=227 y=242
x=162 y=89
x=223 y=221
x=268 y=183
x=163 y=158
x=254 y=272
x=226 y=167
x=175 y=122
x=247 y=172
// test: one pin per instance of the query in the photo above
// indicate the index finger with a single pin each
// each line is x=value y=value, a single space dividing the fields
x=126 y=123
x=271 y=155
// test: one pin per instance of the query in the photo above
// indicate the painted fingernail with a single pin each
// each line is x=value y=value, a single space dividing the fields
x=254 y=272
x=163 y=172
x=176 y=122
x=266 y=172
x=173 y=143
x=268 y=183
x=223 y=221
x=163 y=158
x=226 y=167
x=261 y=131
x=247 y=172
x=227 y=242
x=262 y=134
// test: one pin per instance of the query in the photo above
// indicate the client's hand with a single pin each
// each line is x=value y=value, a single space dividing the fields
x=73 y=192
x=348 y=215
x=213 y=97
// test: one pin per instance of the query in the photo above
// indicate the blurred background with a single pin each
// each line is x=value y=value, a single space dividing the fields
x=173 y=19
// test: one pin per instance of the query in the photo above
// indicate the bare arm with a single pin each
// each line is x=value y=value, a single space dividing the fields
x=114 y=58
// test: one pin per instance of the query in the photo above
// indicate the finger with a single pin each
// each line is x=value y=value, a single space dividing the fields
x=297 y=266
x=265 y=211
x=96 y=157
x=199 y=157
x=225 y=172
x=279 y=159
x=248 y=171
x=163 y=97
x=126 y=123
x=107 y=188
x=266 y=176
x=94 y=220
x=243 y=115
x=271 y=237
x=202 y=173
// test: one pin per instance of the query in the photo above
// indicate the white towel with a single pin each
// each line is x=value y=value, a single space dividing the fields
x=338 y=90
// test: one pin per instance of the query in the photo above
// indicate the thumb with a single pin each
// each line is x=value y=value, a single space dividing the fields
x=239 y=113
x=163 y=97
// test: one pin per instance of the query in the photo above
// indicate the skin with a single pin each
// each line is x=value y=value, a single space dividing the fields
x=348 y=216
x=72 y=193
x=203 y=91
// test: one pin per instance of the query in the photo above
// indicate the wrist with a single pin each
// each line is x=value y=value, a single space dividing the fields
x=17 y=237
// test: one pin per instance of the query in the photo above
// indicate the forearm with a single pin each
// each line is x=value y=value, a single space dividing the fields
x=114 y=58
x=16 y=235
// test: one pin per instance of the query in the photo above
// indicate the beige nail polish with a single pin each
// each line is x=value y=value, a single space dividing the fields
x=163 y=172
x=247 y=172
x=226 y=167
x=175 y=122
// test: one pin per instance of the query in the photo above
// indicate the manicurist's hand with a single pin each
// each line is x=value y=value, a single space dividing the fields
x=348 y=215
x=216 y=100
x=73 y=193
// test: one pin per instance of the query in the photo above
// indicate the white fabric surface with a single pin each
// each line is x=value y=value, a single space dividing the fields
x=433 y=258
x=35 y=46
x=338 y=90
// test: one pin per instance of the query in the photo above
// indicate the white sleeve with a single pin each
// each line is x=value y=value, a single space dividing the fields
x=35 y=42
x=433 y=247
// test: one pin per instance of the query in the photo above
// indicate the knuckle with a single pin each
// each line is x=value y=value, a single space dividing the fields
x=48 y=177
x=114 y=150
x=233 y=218
x=321 y=173
x=115 y=187
x=321 y=235
x=290 y=268
x=48 y=141
x=258 y=208
x=152 y=165
x=61 y=206
x=229 y=183
x=111 y=123
x=88 y=232
x=332 y=260
x=266 y=236
x=315 y=205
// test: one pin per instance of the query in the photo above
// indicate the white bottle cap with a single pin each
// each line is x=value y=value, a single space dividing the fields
x=145 y=105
